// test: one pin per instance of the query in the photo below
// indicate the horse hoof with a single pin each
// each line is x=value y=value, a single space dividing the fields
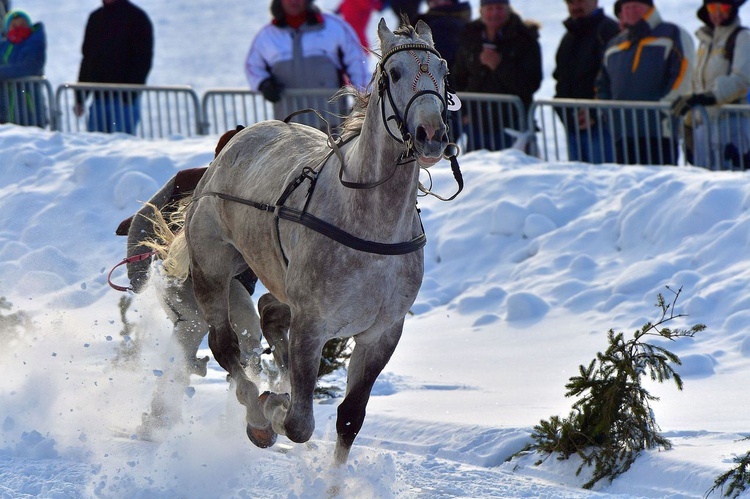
x=284 y=398
x=199 y=367
x=260 y=437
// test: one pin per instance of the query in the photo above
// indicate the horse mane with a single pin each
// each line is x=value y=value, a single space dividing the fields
x=406 y=29
x=352 y=124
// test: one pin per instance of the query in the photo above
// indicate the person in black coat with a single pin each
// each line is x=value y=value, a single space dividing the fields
x=118 y=47
x=579 y=59
x=405 y=8
x=447 y=19
x=498 y=54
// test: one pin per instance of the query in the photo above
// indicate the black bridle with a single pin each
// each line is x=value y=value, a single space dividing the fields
x=408 y=155
x=384 y=89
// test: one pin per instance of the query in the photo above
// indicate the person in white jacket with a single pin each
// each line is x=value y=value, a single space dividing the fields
x=721 y=76
x=303 y=48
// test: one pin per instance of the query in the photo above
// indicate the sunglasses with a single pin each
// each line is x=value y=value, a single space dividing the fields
x=715 y=8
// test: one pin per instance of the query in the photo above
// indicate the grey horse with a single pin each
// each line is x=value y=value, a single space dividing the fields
x=331 y=228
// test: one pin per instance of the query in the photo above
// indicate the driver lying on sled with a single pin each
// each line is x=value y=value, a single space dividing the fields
x=177 y=298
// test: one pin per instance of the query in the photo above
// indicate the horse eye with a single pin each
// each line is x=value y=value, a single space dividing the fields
x=395 y=75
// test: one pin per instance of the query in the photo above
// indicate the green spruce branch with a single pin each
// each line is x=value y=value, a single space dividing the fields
x=611 y=422
x=736 y=480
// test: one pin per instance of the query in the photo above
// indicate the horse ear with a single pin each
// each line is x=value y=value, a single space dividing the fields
x=424 y=31
x=387 y=38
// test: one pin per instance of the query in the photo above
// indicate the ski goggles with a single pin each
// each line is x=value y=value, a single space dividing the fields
x=715 y=7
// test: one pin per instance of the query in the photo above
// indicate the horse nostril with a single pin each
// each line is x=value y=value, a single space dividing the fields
x=441 y=136
x=421 y=134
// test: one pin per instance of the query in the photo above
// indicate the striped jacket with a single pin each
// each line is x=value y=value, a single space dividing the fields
x=650 y=61
x=314 y=56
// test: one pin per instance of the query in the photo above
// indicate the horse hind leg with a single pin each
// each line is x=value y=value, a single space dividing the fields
x=246 y=323
x=275 y=319
x=178 y=302
x=212 y=291
x=366 y=363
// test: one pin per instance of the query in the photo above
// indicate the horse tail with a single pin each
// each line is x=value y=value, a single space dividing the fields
x=168 y=238
x=177 y=262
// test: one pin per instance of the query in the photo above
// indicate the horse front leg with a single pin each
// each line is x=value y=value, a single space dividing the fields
x=368 y=359
x=293 y=416
x=213 y=295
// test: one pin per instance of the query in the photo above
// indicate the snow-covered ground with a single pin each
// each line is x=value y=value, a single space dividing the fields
x=525 y=273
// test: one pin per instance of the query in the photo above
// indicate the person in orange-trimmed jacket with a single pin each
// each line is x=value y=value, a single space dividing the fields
x=651 y=60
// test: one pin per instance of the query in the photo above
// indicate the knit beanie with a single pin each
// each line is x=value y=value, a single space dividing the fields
x=618 y=5
x=733 y=3
x=703 y=12
x=278 y=12
x=482 y=3
x=12 y=15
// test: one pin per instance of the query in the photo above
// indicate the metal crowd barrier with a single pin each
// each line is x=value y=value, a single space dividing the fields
x=224 y=109
x=487 y=121
x=142 y=110
x=482 y=123
x=624 y=132
x=732 y=134
x=28 y=102
x=560 y=129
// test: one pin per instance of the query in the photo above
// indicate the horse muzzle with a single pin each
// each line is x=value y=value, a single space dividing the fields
x=430 y=143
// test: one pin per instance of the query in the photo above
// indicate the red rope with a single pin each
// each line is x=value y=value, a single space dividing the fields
x=134 y=258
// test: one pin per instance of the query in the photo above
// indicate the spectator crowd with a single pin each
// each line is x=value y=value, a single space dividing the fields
x=632 y=54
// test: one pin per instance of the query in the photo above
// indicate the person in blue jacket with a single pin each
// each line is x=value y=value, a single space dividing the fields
x=22 y=54
x=651 y=60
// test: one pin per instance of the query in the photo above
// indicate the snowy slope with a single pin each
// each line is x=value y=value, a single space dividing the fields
x=525 y=273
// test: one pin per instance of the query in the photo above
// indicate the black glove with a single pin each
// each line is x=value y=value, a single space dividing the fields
x=685 y=103
x=706 y=99
x=270 y=89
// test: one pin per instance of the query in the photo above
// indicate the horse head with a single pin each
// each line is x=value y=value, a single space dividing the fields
x=411 y=78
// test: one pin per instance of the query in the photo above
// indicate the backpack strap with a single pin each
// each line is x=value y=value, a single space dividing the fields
x=729 y=47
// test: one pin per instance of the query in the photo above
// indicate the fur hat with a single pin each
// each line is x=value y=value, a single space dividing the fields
x=12 y=15
x=482 y=3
